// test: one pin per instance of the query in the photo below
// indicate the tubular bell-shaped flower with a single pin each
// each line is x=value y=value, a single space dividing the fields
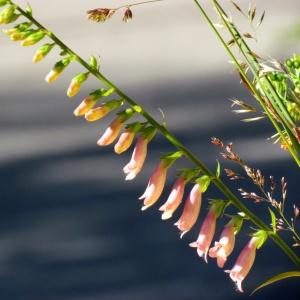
x=158 y=178
x=246 y=259
x=174 y=199
x=126 y=138
x=139 y=153
x=114 y=128
x=208 y=228
x=155 y=185
x=190 y=211
x=224 y=247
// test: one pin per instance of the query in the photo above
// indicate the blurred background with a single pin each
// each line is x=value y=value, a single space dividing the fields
x=71 y=228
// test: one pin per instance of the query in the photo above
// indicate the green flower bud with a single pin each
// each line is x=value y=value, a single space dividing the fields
x=42 y=52
x=33 y=38
x=57 y=69
x=76 y=83
x=8 y=15
x=3 y=2
x=17 y=29
x=21 y=35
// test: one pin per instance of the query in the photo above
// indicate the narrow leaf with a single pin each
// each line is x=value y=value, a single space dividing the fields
x=276 y=278
x=273 y=220
x=218 y=172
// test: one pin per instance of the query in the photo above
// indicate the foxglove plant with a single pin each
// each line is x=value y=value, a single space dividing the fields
x=31 y=32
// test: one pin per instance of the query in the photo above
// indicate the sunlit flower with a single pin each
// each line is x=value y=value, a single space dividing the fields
x=76 y=83
x=191 y=210
x=57 y=69
x=125 y=141
x=112 y=132
x=206 y=234
x=85 y=107
x=155 y=185
x=244 y=263
x=137 y=160
x=174 y=199
x=42 y=52
x=223 y=248
x=95 y=114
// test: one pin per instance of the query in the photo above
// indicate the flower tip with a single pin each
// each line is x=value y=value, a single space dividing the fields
x=193 y=244
x=166 y=215
x=182 y=234
x=130 y=176
x=144 y=207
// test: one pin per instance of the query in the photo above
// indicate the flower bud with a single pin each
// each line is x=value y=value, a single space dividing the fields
x=126 y=138
x=76 y=83
x=3 y=2
x=125 y=141
x=42 y=52
x=139 y=153
x=191 y=210
x=8 y=15
x=155 y=185
x=57 y=69
x=114 y=128
x=19 y=29
x=137 y=159
x=94 y=114
x=33 y=38
x=174 y=199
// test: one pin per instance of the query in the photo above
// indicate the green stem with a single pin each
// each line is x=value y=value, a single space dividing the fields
x=249 y=83
x=138 y=3
x=188 y=154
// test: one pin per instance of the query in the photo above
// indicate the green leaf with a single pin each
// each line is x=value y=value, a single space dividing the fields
x=218 y=172
x=262 y=235
x=204 y=182
x=273 y=220
x=276 y=278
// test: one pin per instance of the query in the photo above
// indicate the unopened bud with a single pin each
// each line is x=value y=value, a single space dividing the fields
x=101 y=111
x=8 y=15
x=42 y=52
x=17 y=29
x=85 y=106
x=3 y=2
x=76 y=83
x=57 y=70
x=33 y=38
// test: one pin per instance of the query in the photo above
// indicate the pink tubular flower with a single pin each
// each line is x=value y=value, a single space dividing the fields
x=224 y=247
x=124 y=141
x=244 y=263
x=174 y=199
x=206 y=234
x=191 y=210
x=155 y=185
x=137 y=160
x=112 y=132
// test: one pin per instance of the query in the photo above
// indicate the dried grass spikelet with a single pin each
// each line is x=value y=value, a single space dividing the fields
x=100 y=14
